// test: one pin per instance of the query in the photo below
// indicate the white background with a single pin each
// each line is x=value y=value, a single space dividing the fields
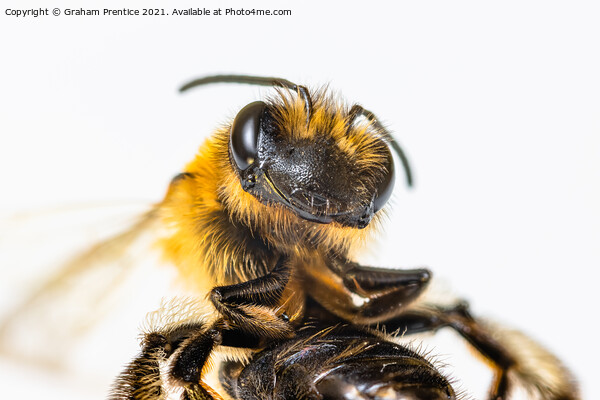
x=497 y=106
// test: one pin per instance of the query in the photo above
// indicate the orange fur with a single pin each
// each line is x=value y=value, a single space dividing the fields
x=205 y=253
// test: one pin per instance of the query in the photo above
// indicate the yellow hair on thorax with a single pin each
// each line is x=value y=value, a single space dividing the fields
x=195 y=208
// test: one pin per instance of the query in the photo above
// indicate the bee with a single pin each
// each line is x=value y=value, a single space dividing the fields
x=266 y=221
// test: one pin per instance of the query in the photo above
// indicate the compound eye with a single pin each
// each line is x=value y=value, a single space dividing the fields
x=244 y=134
x=386 y=187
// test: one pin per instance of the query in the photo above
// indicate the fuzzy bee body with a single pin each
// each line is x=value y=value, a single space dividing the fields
x=263 y=226
x=230 y=236
x=222 y=234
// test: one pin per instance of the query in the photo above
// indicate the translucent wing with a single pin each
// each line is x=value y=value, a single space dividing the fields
x=48 y=312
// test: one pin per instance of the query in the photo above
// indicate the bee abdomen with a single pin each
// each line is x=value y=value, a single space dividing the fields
x=333 y=366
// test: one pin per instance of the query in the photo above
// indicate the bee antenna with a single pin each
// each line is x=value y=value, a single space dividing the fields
x=398 y=150
x=255 y=80
x=357 y=110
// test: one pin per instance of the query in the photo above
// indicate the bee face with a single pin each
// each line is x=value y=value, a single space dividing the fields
x=316 y=160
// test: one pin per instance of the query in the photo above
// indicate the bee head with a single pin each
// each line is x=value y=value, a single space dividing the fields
x=307 y=153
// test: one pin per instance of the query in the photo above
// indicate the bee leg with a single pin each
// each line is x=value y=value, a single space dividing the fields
x=141 y=378
x=189 y=361
x=183 y=352
x=515 y=357
x=459 y=319
x=362 y=294
x=252 y=306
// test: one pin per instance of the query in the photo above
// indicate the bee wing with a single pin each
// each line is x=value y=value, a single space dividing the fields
x=43 y=325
